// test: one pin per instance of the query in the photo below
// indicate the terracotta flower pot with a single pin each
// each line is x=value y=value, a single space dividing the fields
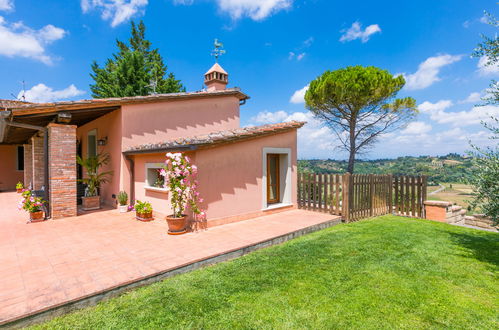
x=90 y=203
x=36 y=216
x=19 y=190
x=146 y=216
x=176 y=226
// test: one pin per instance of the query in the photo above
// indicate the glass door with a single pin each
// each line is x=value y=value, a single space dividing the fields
x=273 y=180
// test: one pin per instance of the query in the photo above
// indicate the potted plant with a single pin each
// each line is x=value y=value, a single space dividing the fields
x=143 y=211
x=33 y=205
x=180 y=176
x=94 y=179
x=19 y=187
x=122 y=201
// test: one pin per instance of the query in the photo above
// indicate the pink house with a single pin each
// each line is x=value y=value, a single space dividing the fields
x=243 y=172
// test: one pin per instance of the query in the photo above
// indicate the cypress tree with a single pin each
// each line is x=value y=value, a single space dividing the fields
x=135 y=70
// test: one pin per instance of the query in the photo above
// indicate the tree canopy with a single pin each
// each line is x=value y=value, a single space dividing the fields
x=135 y=70
x=489 y=50
x=359 y=104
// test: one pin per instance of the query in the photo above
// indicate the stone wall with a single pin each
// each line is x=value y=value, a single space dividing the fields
x=38 y=161
x=444 y=212
x=454 y=214
x=480 y=220
x=28 y=166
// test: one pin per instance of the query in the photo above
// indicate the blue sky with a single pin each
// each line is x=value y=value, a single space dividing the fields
x=274 y=49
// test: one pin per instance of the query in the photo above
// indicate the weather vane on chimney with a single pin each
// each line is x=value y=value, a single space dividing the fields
x=218 y=51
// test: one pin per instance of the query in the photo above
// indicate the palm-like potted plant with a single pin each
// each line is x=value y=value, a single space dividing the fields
x=19 y=187
x=93 y=179
x=143 y=211
x=180 y=176
x=122 y=201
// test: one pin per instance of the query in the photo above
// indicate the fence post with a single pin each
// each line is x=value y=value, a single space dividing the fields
x=390 y=194
x=371 y=193
x=345 y=207
x=424 y=188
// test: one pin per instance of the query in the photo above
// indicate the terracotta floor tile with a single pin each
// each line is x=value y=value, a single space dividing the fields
x=51 y=262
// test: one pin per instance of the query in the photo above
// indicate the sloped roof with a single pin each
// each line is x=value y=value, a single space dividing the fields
x=216 y=68
x=11 y=103
x=29 y=108
x=216 y=138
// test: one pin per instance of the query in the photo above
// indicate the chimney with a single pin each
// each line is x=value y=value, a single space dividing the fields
x=216 y=78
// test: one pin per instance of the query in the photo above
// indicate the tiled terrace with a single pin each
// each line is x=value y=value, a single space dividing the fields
x=51 y=263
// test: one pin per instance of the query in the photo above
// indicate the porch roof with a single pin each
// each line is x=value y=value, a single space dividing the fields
x=215 y=138
x=20 y=109
x=82 y=111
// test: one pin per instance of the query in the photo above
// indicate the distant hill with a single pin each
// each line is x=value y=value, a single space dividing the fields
x=448 y=168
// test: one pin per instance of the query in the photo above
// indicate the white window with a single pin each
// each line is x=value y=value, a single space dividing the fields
x=276 y=171
x=154 y=181
x=92 y=143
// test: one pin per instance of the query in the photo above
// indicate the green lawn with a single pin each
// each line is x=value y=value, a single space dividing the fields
x=390 y=272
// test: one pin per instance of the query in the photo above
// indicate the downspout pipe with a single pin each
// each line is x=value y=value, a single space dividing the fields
x=132 y=178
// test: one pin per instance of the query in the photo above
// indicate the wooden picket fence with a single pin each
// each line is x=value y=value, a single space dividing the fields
x=360 y=196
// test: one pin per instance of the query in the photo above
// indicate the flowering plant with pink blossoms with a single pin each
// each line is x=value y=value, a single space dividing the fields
x=180 y=178
x=30 y=203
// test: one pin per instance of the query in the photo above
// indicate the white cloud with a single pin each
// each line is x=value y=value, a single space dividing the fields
x=428 y=107
x=42 y=93
x=117 y=11
x=307 y=43
x=6 y=5
x=267 y=117
x=428 y=71
x=18 y=40
x=299 y=95
x=484 y=19
x=437 y=112
x=298 y=57
x=416 y=128
x=472 y=98
x=255 y=9
x=355 y=32
x=120 y=11
x=313 y=139
x=485 y=69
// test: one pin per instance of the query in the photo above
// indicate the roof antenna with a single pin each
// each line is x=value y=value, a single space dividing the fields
x=23 y=93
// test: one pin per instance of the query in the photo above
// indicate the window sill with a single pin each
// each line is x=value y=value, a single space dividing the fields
x=155 y=189
x=277 y=206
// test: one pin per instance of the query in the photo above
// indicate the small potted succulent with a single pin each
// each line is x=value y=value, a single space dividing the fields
x=19 y=187
x=143 y=211
x=33 y=205
x=180 y=176
x=122 y=201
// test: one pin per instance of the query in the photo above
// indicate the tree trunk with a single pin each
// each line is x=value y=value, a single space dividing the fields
x=351 y=159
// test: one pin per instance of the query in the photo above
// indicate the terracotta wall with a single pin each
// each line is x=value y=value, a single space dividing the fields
x=151 y=123
x=9 y=175
x=158 y=122
x=230 y=177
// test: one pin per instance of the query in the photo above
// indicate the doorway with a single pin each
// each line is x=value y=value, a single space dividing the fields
x=273 y=178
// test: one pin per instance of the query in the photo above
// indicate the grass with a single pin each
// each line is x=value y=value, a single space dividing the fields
x=389 y=272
